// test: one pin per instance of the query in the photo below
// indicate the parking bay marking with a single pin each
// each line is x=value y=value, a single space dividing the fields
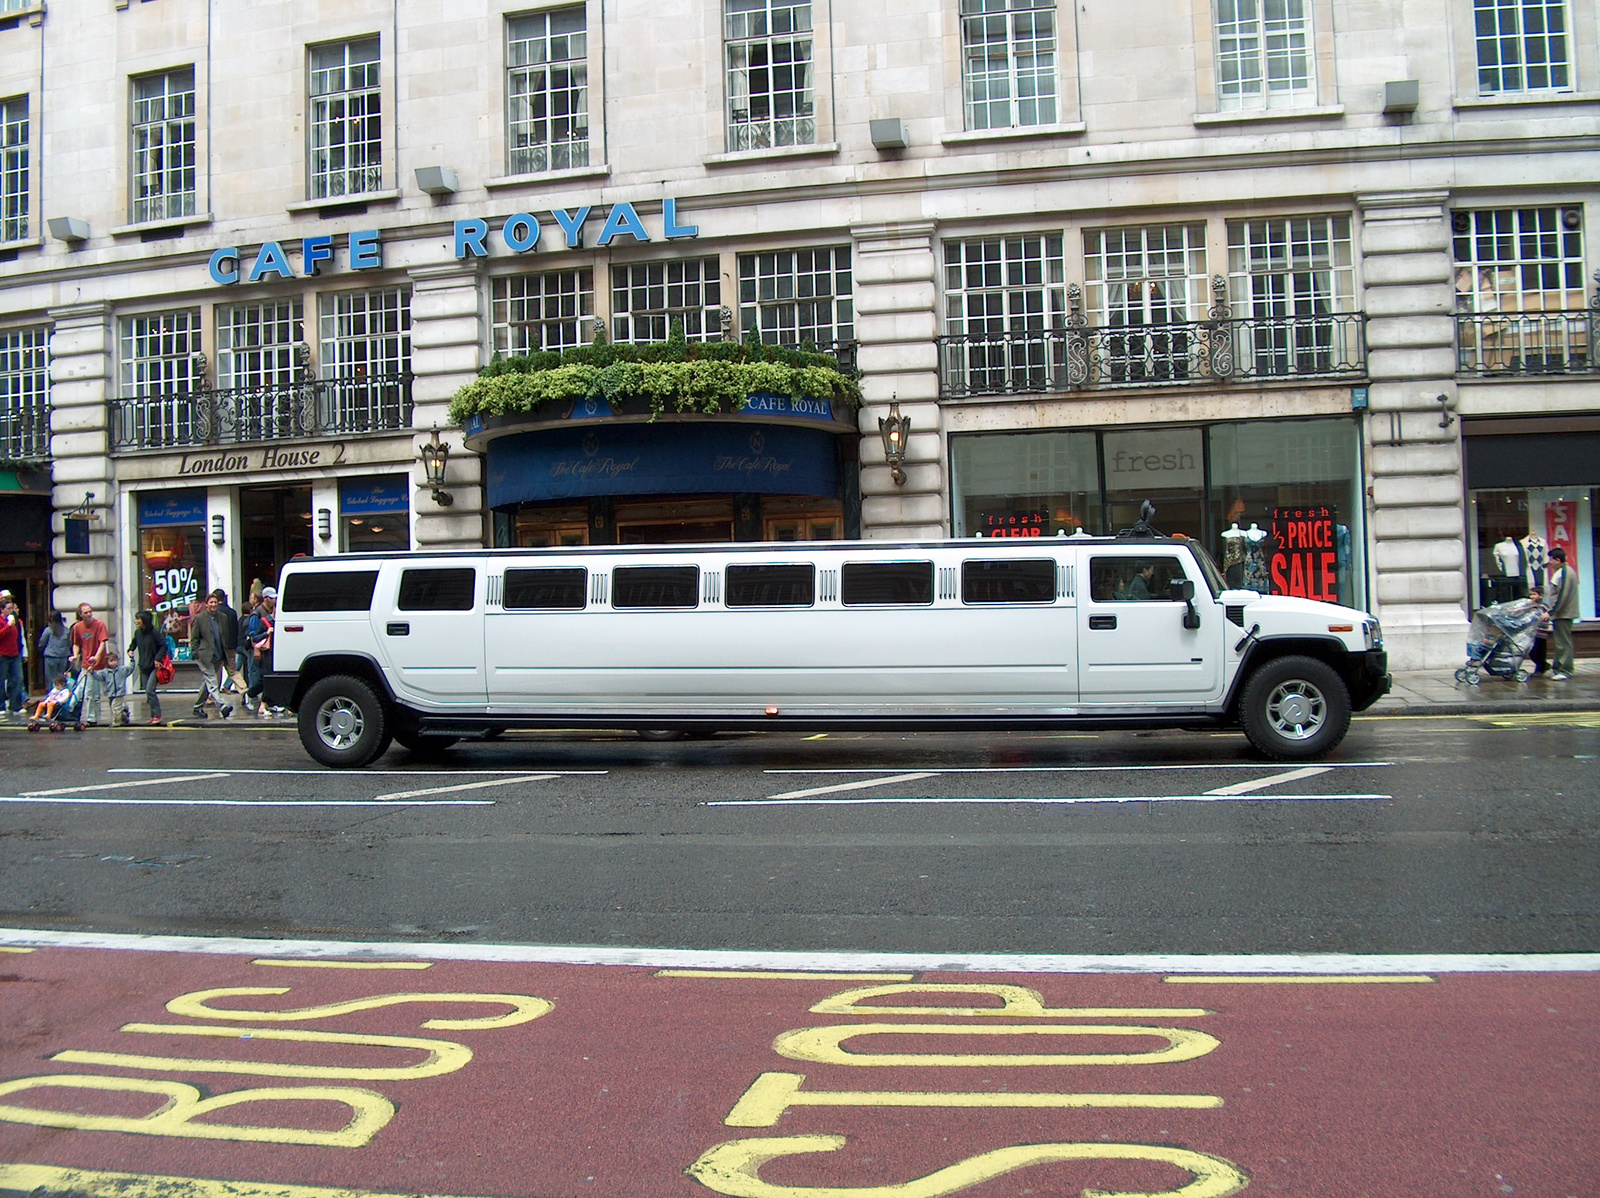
x=188 y=776
x=437 y=790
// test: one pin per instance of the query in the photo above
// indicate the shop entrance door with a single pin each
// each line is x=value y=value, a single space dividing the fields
x=274 y=525
x=1162 y=465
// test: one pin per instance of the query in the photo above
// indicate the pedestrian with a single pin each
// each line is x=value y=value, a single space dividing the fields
x=55 y=646
x=12 y=691
x=117 y=672
x=232 y=643
x=205 y=649
x=146 y=651
x=90 y=637
x=1562 y=586
x=258 y=635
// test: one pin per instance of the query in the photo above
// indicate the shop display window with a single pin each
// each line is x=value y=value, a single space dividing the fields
x=1514 y=531
x=375 y=514
x=1026 y=484
x=172 y=560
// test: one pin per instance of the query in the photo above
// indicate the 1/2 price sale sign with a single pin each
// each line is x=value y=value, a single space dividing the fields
x=1305 y=555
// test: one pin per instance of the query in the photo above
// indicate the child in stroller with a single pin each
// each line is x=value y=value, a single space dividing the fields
x=63 y=707
x=1500 y=639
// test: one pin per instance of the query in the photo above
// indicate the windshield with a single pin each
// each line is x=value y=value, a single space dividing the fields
x=1208 y=567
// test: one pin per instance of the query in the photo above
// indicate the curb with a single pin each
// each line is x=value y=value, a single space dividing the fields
x=1484 y=707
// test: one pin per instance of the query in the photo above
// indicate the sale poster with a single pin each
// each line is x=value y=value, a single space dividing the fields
x=1304 y=561
x=1561 y=526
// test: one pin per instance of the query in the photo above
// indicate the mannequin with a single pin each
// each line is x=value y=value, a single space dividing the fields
x=1537 y=555
x=1509 y=557
x=1255 y=561
x=1233 y=556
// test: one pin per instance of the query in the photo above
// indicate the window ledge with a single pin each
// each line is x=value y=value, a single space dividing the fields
x=1522 y=99
x=820 y=149
x=1017 y=133
x=171 y=222
x=360 y=197
x=1242 y=115
x=539 y=178
x=25 y=243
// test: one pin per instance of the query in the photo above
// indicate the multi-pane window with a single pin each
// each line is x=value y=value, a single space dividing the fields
x=365 y=354
x=1264 y=54
x=771 y=98
x=24 y=395
x=1143 y=278
x=1008 y=62
x=1283 y=273
x=1522 y=46
x=1519 y=288
x=346 y=119
x=256 y=344
x=551 y=310
x=1000 y=296
x=794 y=296
x=163 y=160
x=647 y=297
x=159 y=371
x=14 y=168
x=547 y=91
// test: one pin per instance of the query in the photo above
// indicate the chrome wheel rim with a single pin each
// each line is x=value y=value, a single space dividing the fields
x=339 y=722
x=1297 y=710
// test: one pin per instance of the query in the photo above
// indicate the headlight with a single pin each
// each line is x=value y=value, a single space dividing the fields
x=1373 y=632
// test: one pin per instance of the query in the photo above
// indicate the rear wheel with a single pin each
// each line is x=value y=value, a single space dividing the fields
x=1295 y=709
x=343 y=722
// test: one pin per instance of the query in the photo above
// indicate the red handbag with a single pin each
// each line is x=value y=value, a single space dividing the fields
x=164 y=670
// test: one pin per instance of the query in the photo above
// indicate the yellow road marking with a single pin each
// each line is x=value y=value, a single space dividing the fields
x=1541 y=719
x=1302 y=979
x=29 y=950
x=98 y=1183
x=343 y=964
x=782 y=975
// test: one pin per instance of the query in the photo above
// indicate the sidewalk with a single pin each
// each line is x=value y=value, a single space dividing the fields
x=1414 y=694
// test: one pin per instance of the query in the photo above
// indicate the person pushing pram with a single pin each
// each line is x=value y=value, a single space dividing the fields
x=1500 y=639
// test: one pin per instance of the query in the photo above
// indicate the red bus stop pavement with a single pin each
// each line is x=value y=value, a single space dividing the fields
x=400 y=1070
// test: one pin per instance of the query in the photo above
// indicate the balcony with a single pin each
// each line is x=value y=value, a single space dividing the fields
x=1220 y=349
x=24 y=429
x=313 y=408
x=1500 y=345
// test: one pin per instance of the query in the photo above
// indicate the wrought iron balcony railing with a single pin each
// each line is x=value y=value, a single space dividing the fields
x=1492 y=344
x=1321 y=345
x=241 y=415
x=24 y=428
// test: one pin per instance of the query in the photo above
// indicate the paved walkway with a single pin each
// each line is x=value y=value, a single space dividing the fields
x=1415 y=694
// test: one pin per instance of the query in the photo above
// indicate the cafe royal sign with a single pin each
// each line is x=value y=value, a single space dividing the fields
x=520 y=232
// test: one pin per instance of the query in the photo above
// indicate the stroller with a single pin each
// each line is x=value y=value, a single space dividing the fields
x=1500 y=639
x=69 y=712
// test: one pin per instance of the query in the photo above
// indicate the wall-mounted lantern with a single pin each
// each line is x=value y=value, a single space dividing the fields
x=895 y=429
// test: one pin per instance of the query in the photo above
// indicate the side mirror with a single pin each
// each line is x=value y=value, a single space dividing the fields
x=1181 y=590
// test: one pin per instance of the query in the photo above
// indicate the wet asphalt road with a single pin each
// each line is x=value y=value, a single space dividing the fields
x=1461 y=834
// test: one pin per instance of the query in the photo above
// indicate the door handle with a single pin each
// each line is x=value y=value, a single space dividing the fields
x=398 y=630
x=1101 y=623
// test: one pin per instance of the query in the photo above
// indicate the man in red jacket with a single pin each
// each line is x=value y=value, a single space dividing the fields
x=11 y=682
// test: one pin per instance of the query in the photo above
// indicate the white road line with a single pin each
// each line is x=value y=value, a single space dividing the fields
x=843 y=962
x=191 y=776
x=439 y=790
x=1239 y=788
x=822 y=790
x=869 y=800
x=243 y=802
x=1087 y=769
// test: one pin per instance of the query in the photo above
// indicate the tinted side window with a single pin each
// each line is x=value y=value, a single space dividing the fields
x=343 y=590
x=1132 y=579
x=562 y=587
x=1032 y=580
x=449 y=589
x=655 y=586
x=772 y=586
x=863 y=583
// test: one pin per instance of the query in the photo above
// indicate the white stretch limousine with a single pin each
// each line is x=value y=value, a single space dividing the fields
x=1125 y=632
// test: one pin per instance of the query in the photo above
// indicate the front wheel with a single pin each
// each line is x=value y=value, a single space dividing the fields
x=343 y=723
x=1295 y=709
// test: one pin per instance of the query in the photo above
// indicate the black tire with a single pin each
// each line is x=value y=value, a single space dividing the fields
x=416 y=742
x=494 y=733
x=1295 y=709
x=343 y=723
x=662 y=734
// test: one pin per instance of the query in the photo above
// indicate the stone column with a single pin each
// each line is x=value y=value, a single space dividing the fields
x=446 y=352
x=1415 y=440
x=81 y=364
x=896 y=304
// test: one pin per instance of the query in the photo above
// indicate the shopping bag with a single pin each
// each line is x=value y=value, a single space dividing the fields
x=164 y=670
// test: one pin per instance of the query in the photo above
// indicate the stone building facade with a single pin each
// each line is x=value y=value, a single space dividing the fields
x=1325 y=272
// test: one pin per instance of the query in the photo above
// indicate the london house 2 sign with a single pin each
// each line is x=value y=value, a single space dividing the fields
x=520 y=232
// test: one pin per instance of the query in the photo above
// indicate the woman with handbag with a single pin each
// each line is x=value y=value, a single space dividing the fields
x=149 y=649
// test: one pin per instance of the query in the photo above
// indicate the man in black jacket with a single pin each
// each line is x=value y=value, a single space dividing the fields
x=228 y=627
